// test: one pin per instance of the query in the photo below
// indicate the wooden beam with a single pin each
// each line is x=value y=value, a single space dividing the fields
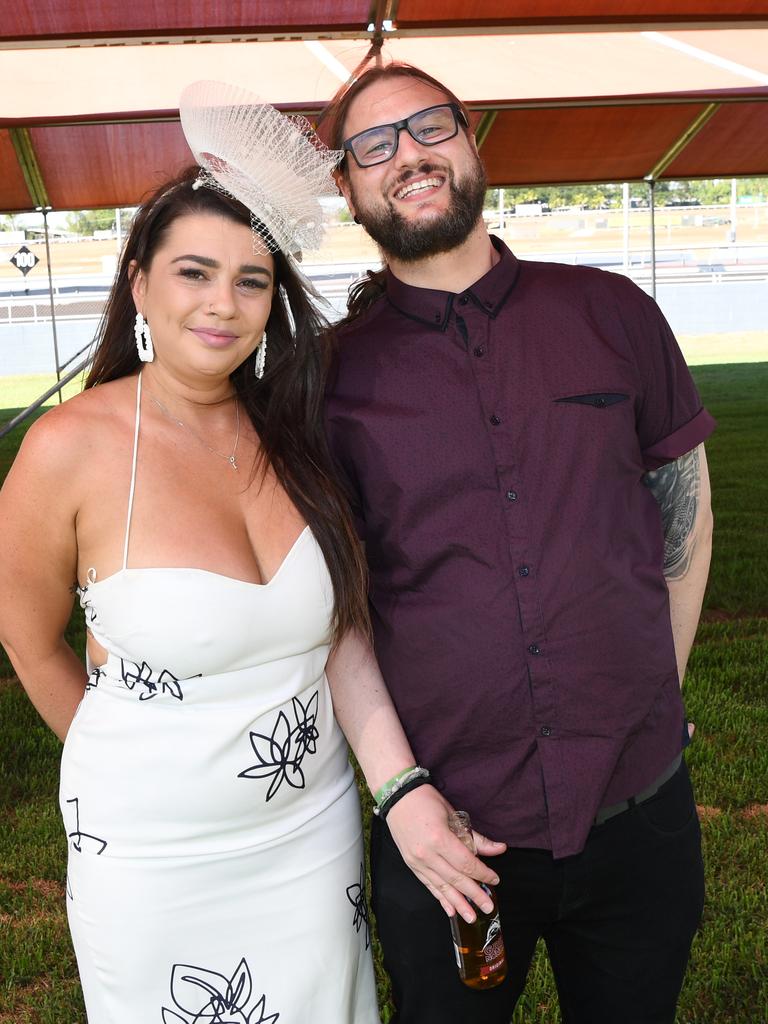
x=30 y=168
x=679 y=145
x=484 y=127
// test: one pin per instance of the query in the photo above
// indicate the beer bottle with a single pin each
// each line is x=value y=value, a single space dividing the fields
x=479 y=946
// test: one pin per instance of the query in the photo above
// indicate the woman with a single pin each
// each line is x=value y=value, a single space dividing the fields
x=215 y=861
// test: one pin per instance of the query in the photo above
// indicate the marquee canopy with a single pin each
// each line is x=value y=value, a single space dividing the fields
x=561 y=90
x=66 y=21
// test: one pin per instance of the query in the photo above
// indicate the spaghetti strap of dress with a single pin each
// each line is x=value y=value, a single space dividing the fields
x=133 y=472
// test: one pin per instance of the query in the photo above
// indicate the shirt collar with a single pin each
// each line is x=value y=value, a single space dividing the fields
x=432 y=306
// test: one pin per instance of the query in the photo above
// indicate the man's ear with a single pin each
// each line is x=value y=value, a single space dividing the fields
x=343 y=186
x=473 y=143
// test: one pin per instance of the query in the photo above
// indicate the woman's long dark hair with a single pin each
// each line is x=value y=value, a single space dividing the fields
x=285 y=406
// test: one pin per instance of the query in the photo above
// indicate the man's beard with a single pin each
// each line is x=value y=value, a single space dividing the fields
x=407 y=241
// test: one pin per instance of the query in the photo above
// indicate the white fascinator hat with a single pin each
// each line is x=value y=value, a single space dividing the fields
x=273 y=164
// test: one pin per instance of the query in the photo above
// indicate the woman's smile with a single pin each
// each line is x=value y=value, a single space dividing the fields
x=214 y=338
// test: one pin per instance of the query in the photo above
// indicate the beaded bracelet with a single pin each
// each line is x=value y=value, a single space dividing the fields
x=383 y=809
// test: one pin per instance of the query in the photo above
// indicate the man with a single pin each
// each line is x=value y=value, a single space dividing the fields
x=523 y=446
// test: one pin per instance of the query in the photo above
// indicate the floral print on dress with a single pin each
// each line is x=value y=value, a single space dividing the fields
x=280 y=755
x=84 y=840
x=356 y=896
x=85 y=601
x=151 y=683
x=93 y=679
x=206 y=996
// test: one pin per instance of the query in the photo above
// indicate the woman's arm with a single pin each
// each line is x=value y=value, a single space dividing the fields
x=418 y=822
x=38 y=567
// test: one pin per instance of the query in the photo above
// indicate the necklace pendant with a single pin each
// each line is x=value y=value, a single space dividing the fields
x=231 y=461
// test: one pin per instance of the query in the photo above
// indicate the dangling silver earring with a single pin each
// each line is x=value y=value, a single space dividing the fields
x=261 y=357
x=144 y=344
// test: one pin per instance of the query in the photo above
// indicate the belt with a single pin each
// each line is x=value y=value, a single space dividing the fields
x=605 y=813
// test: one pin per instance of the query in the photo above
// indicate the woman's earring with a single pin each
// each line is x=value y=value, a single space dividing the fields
x=261 y=356
x=143 y=339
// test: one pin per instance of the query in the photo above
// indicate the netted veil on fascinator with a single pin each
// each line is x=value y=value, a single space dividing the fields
x=273 y=164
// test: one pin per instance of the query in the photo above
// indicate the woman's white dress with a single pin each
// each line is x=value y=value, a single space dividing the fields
x=215 y=853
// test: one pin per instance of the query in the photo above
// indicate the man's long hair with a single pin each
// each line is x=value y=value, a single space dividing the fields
x=330 y=125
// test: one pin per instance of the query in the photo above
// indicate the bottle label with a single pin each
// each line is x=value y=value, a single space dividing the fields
x=493 y=947
x=494 y=953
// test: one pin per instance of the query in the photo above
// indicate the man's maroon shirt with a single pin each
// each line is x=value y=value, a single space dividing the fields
x=494 y=444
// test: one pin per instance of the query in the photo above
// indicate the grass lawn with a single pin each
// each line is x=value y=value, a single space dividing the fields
x=733 y=347
x=19 y=391
x=726 y=695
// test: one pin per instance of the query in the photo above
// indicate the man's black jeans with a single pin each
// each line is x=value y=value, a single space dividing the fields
x=618 y=920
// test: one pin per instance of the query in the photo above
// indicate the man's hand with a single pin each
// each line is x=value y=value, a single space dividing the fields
x=419 y=825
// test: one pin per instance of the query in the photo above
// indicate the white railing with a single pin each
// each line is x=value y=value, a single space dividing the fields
x=21 y=309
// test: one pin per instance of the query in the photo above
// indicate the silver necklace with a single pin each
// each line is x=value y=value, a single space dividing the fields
x=214 y=451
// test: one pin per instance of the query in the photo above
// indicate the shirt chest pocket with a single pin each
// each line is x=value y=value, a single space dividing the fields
x=594 y=427
x=594 y=399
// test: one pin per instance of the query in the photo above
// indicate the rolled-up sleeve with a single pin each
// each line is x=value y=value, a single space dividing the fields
x=683 y=440
x=671 y=419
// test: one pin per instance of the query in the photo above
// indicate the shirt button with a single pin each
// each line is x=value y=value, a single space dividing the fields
x=545 y=730
x=495 y=420
x=600 y=403
x=463 y=300
x=523 y=570
x=479 y=351
x=512 y=495
x=534 y=649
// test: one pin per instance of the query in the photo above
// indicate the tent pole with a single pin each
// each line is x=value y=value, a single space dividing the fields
x=44 y=211
x=732 y=231
x=661 y=166
x=625 y=197
x=651 y=190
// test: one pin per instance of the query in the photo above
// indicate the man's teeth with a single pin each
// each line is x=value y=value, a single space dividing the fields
x=419 y=186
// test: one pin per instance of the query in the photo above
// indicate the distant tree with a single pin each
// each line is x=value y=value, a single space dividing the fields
x=716 y=191
x=755 y=187
x=85 y=222
x=11 y=222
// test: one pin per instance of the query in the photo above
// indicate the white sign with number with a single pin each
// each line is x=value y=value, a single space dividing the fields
x=24 y=260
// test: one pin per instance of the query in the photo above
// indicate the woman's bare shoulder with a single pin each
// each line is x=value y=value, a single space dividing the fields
x=64 y=437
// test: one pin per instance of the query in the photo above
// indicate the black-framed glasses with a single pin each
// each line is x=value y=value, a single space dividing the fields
x=428 y=127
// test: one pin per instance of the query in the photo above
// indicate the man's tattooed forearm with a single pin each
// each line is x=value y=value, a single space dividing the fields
x=676 y=487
